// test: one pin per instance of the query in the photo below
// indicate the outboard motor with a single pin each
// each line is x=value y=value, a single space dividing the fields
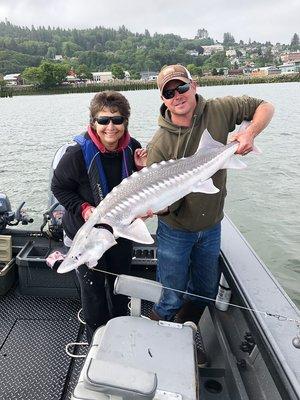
x=53 y=216
x=8 y=217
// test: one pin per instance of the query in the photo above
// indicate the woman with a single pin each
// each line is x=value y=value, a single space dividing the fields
x=89 y=169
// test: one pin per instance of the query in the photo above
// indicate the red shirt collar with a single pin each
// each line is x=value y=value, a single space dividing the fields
x=122 y=144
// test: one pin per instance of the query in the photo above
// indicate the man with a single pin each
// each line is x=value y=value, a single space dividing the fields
x=189 y=233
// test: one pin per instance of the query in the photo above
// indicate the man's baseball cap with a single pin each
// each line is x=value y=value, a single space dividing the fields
x=172 y=72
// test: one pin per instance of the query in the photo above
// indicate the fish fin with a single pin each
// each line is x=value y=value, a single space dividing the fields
x=234 y=163
x=67 y=265
x=206 y=187
x=256 y=150
x=91 y=264
x=136 y=231
x=207 y=142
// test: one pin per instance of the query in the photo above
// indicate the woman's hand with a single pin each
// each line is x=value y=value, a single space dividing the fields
x=87 y=211
x=140 y=158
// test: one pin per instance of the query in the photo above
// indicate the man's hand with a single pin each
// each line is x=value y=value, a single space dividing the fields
x=246 y=141
x=140 y=158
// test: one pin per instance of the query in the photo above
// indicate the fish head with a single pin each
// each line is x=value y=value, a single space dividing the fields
x=87 y=248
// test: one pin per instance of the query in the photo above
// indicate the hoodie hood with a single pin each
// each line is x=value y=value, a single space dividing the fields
x=164 y=119
x=183 y=134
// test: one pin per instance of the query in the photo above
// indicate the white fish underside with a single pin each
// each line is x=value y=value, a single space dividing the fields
x=152 y=188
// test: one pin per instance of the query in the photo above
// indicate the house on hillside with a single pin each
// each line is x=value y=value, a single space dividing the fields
x=214 y=48
x=193 y=53
x=231 y=53
x=13 y=79
x=290 y=57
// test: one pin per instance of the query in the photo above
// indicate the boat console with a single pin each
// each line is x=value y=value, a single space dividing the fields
x=136 y=358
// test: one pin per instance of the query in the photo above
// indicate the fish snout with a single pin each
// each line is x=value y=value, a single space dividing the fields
x=89 y=252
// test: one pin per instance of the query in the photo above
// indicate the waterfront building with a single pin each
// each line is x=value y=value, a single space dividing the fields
x=13 y=79
x=105 y=76
x=290 y=68
x=264 y=71
x=148 y=75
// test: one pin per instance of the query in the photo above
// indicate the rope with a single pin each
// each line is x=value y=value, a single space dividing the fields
x=265 y=313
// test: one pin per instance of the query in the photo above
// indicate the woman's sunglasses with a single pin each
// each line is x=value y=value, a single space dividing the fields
x=116 y=120
x=170 y=93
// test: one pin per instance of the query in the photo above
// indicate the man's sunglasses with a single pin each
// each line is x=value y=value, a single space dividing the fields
x=116 y=120
x=170 y=93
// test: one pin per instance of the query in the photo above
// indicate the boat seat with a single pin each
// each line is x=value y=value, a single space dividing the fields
x=136 y=358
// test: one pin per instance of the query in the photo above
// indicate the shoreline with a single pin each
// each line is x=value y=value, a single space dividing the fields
x=10 y=91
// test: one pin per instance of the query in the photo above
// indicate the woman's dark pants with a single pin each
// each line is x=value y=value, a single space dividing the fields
x=99 y=304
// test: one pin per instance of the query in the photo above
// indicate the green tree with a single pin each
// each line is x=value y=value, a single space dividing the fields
x=53 y=74
x=47 y=75
x=83 y=72
x=228 y=39
x=295 y=44
x=217 y=60
x=117 y=71
x=69 y=48
x=51 y=52
x=32 y=75
x=202 y=34
x=194 y=70
x=134 y=74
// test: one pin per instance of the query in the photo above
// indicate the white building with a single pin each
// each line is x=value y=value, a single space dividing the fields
x=290 y=68
x=235 y=61
x=231 y=53
x=193 y=53
x=214 y=48
x=13 y=79
x=148 y=75
x=102 y=77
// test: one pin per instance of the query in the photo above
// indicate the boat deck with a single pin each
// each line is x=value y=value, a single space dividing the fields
x=33 y=334
x=35 y=328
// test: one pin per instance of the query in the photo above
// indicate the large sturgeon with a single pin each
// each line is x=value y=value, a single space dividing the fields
x=152 y=188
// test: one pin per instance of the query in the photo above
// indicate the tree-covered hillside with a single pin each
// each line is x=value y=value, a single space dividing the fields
x=100 y=48
x=97 y=48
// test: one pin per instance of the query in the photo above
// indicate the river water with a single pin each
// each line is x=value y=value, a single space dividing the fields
x=263 y=201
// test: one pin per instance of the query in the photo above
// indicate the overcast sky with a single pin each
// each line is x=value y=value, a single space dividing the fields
x=260 y=20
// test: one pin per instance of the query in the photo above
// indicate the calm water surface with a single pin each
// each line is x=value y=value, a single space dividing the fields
x=263 y=201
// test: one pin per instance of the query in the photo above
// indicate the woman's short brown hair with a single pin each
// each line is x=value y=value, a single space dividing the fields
x=113 y=100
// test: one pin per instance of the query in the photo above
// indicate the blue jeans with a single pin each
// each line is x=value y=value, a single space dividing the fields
x=187 y=261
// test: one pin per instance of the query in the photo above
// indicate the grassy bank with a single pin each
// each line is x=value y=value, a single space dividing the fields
x=244 y=79
x=138 y=85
